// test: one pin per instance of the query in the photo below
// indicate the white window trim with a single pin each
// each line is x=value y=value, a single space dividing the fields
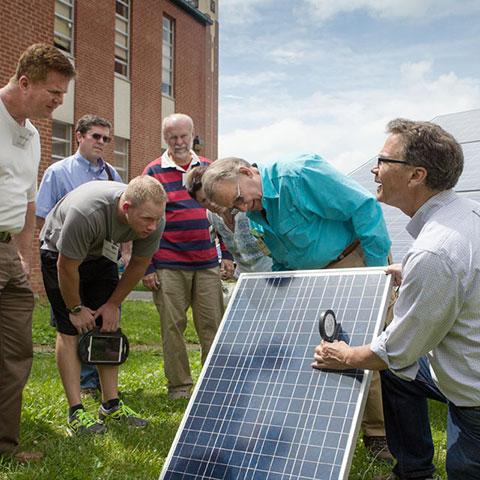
x=71 y=5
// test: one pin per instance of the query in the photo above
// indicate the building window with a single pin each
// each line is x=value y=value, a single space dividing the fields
x=121 y=157
x=212 y=6
x=167 y=57
x=122 y=36
x=61 y=140
x=63 y=25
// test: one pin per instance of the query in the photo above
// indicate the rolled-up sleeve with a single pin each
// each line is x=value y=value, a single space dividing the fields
x=428 y=304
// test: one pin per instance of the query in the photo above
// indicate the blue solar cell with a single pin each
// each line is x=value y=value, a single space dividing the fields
x=259 y=410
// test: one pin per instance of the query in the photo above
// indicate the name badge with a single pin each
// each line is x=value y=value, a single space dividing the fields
x=110 y=250
x=259 y=238
x=22 y=137
x=262 y=246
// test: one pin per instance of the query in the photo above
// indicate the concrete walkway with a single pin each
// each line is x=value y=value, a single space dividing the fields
x=139 y=295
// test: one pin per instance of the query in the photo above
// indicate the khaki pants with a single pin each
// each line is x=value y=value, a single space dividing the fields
x=180 y=289
x=16 y=306
x=372 y=423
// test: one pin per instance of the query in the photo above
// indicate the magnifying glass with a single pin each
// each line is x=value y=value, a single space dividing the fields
x=327 y=325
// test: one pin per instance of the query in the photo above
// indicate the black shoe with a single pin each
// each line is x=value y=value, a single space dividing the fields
x=83 y=422
x=123 y=413
x=377 y=447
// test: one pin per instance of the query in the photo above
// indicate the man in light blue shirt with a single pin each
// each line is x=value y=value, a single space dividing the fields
x=307 y=212
x=86 y=164
x=92 y=133
x=431 y=349
x=309 y=216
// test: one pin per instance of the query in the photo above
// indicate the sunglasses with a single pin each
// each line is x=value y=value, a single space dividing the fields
x=98 y=136
x=389 y=160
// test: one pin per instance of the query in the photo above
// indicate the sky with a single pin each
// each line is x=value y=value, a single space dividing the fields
x=326 y=76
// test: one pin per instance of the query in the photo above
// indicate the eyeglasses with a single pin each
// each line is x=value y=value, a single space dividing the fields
x=98 y=136
x=238 y=200
x=389 y=160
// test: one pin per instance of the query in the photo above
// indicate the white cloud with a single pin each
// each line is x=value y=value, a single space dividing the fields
x=237 y=12
x=346 y=127
x=294 y=52
x=417 y=9
x=250 y=80
x=415 y=71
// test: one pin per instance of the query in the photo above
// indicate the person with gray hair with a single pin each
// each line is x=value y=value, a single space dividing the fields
x=431 y=349
x=184 y=271
x=85 y=165
x=233 y=228
x=35 y=90
x=79 y=253
x=309 y=216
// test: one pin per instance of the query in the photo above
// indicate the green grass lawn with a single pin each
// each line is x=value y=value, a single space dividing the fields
x=125 y=453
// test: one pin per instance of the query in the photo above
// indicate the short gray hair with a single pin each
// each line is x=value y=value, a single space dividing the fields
x=428 y=145
x=174 y=118
x=144 y=188
x=225 y=169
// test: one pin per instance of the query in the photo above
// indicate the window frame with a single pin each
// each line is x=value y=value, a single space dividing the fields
x=119 y=61
x=71 y=5
x=168 y=88
x=65 y=141
x=121 y=169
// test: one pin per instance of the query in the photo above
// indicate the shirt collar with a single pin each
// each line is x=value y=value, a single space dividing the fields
x=268 y=188
x=82 y=160
x=167 y=162
x=426 y=211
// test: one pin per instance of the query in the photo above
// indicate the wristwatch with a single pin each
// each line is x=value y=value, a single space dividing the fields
x=75 y=310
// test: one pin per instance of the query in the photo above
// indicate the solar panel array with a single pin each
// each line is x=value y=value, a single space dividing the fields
x=465 y=127
x=259 y=410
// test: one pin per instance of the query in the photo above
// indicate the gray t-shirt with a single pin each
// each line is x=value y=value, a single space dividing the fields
x=81 y=221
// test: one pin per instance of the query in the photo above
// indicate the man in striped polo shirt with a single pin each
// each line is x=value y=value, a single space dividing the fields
x=184 y=271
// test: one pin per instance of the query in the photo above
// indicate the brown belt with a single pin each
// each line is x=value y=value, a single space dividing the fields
x=346 y=252
x=5 y=237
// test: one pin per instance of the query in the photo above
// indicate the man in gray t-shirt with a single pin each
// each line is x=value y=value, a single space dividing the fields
x=80 y=243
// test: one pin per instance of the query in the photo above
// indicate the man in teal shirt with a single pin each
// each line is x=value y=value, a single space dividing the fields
x=308 y=213
x=309 y=216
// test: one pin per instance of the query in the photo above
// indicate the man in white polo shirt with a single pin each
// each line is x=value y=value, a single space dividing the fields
x=37 y=88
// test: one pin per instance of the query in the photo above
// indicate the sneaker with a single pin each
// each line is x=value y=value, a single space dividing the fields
x=377 y=447
x=121 y=412
x=83 y=422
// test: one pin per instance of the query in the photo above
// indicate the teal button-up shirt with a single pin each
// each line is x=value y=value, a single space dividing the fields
x=312 y=212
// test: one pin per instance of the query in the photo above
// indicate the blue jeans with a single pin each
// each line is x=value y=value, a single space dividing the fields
x=408 y=428
x=89 y=376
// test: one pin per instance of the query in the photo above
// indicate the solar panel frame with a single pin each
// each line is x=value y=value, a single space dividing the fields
x=239 y=303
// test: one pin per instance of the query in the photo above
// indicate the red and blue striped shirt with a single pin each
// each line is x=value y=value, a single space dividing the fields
x=186 y=243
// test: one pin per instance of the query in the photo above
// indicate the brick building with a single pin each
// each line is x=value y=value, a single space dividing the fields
x=137 y=61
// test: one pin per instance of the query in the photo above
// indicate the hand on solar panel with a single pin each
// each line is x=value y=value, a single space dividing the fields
x=331 y=355
x=396 y=271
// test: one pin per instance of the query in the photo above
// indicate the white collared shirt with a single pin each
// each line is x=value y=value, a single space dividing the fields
x=438 y=310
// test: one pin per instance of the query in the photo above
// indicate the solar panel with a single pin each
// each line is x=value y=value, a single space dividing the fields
x=462 y=125
x=470 y=178
x=259 y=411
